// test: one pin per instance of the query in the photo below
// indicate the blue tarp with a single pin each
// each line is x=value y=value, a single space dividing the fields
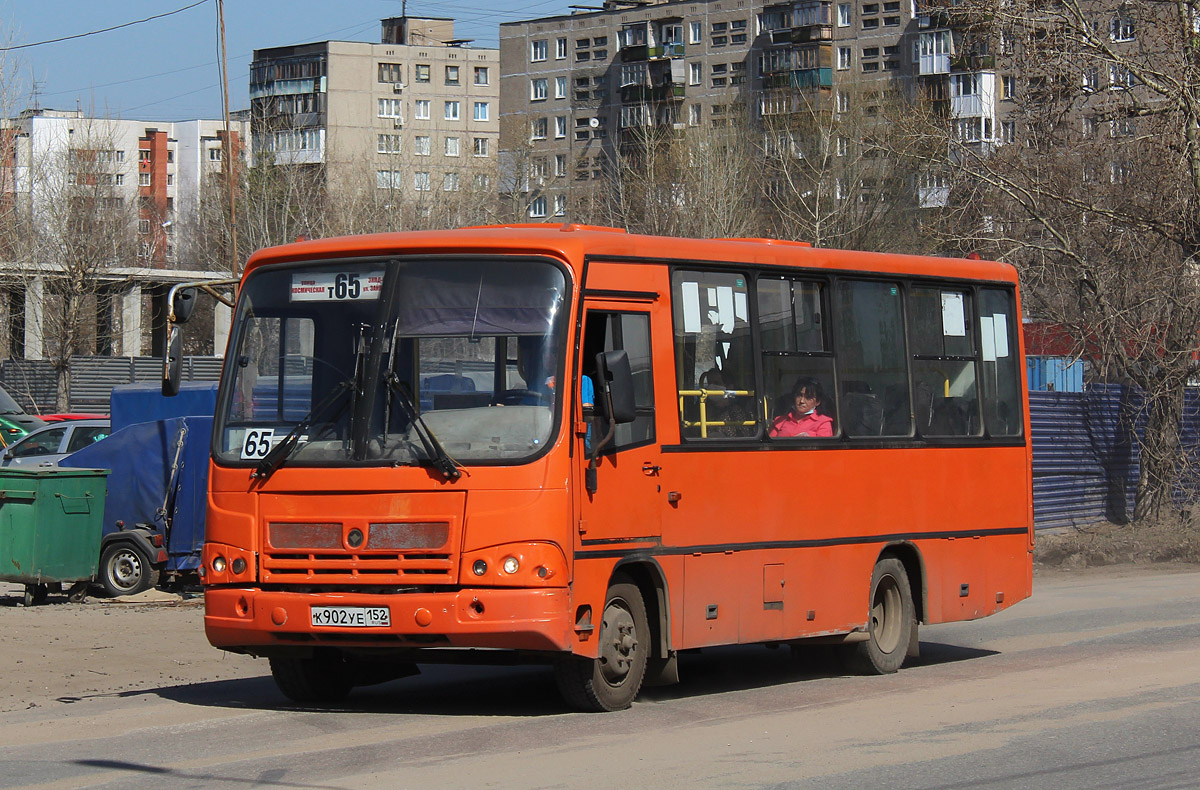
x=134 y=403
x=157 y=464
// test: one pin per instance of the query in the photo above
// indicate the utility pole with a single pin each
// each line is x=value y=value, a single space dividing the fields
x=228 y=153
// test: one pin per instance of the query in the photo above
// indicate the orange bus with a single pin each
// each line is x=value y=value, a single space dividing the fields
x=594 y=449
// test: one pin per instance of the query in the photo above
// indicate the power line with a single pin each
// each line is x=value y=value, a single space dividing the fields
x=104 y=30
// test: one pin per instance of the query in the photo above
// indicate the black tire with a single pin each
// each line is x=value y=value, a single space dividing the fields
x=323 y=678
x=612 y=681
x=890 y=621
x=126 y=570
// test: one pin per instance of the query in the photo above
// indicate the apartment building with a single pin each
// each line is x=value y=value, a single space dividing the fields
x=416 y=113
x=578 y=83
x=140 y=181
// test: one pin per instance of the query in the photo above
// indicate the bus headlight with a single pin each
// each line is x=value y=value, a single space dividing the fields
x=218 y=564
x=517 y=565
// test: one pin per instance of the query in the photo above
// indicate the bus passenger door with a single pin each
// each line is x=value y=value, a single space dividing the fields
x=624 y=508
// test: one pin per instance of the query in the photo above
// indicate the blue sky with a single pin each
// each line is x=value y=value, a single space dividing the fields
x=166 y=69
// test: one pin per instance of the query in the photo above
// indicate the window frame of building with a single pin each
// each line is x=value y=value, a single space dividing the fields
x=482 y=75
x=421 y=181
x=452 y=146
x=388 y=143
x=452 y=75
x=539 y=89
x=560 y=48
x=560 y=87
x=537 y=207
x=451 y=110
x=422 y=145
x=1122 y=30
x=480 y=146
x=143 y=179
x=695 y=72
x=421 y=72
x=481 y=111
x=845 y=15
x=390 y=108
x=390 y=73
x=422 y=109
x=539 y=50
x=845 y=58
x=539 y=128
x=450 y=182
x=560 y=127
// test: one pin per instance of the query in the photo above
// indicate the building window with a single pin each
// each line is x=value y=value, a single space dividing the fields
x=452 y=75
x=144 y=155
x=387 y=179
x=695 y=32
x=891 y=21
x=870 y=24
x=482 y=181
x=695 y=71
x=560 y=205
x=538 y=50
x=421 y=145
x=421 y=109
x=843 y=58
x=1008 y=87
x=422 y=74
x=560 y=126
x=560 y=164
x=560 y=87
x=389 y=72
x=214 y=155
x=451 y=111
x=737 y=31
x=540 y=126
x=1091 y=79
x=421 y=182
x=479 y=146
x=1121 y=29
x=119 y=179
x=560 y=48
x=390 y=108
x=1008 y=131
x=143 y=179
x=481 y=75
x=537 y=90
x=388 y=144
x=452 y=146
x=1119 y=77
x=870 y=67
x=450 y=182
x=538 y=207
x=143 y=226
x=481 y=111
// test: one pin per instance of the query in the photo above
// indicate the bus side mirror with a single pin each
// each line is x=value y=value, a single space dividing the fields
x=183 y=302
x=616 y=402
x=173 y=361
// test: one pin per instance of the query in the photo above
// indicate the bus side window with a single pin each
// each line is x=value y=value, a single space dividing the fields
x=872 y=364
x=714 y=360
x=795 y=344
x=942 y=341
x=1001 y=376
x=609 y=331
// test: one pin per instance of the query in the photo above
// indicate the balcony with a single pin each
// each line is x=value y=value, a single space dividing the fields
x=637 y=94
x=972 y=63
x=800 y=78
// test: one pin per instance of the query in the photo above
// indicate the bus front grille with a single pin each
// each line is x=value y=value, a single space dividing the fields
x=290 y=567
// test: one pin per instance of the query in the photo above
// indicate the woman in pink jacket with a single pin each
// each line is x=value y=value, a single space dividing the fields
x=804 y=418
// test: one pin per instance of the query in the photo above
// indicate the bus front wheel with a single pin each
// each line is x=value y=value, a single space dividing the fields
x=889 y=624
x=611 y=681
x=324 y=677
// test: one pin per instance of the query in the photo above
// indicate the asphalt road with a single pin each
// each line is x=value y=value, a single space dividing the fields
x=1093 y=683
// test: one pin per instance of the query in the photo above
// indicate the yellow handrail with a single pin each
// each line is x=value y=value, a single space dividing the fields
x=704 y=395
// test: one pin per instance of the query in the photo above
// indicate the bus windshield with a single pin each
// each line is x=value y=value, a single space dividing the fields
x=361 y=362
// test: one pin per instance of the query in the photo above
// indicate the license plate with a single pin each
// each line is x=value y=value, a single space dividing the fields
x=352 y=616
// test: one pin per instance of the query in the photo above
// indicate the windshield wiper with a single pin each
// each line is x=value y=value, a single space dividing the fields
x=438 y=457
x=280 y=452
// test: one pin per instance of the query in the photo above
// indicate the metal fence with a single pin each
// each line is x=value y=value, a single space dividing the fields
x=33 y=383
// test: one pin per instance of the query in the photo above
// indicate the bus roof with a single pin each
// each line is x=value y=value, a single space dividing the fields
x=571 y=242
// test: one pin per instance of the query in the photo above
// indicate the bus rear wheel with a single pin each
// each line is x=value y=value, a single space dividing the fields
x=324 y=677
x=889 y=623
x=611 y=681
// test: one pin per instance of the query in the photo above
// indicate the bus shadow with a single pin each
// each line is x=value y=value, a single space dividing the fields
x=529 y=691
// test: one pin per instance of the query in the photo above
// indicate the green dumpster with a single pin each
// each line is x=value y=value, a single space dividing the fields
x=50 y=524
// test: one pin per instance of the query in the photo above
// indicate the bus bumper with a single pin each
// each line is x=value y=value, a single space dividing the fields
x=243 y=619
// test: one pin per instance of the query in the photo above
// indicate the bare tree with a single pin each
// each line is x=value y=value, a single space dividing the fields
x=1097 y=199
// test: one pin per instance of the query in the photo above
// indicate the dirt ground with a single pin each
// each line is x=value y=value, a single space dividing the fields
x=1119 y=544
x=61 y=651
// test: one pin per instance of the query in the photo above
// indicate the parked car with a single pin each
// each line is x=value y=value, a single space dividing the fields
x=12 y=413
x=72 y=416
x=50 y=444
x=11 y=431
